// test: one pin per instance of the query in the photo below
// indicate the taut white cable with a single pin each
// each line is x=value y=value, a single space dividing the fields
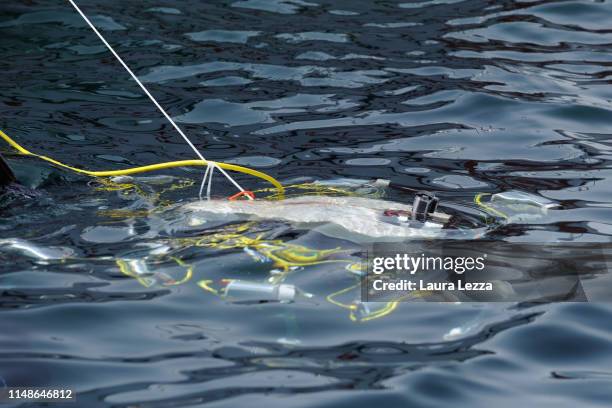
x=234 y=182
x=146 y=91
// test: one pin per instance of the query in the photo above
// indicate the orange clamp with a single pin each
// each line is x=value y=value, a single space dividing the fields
x=239 y=194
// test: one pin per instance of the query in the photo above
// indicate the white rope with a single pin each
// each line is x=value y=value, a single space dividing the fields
x=208 y=188
x=146 y=91
x=210 y=169
x=204 y=181
x=234 y=182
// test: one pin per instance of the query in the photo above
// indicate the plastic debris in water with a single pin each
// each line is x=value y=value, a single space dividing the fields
x=239 y=290
x=31 y=250
x=518 y=206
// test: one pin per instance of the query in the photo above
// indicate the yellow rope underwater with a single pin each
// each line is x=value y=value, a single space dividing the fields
x=491 y=210
x=150 y=167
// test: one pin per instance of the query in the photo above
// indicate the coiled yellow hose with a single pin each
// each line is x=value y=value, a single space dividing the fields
x=151 y=167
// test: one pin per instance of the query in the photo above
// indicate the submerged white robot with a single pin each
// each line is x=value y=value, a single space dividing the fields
x=369 y=218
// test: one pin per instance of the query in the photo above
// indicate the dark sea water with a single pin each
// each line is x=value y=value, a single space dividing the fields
x=459 y=96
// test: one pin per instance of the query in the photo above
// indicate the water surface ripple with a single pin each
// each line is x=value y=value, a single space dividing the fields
x=456 y=95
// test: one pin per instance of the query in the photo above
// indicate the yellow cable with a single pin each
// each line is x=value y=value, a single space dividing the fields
x=387 y=309
x=150 y=167
x=188 y=273
x=478 y=201
x=331 y=296
x=205 y=284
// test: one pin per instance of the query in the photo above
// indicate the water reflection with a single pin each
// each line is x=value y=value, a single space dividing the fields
x=450 y=95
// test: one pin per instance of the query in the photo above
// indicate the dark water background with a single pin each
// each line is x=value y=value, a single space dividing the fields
x=443 y=94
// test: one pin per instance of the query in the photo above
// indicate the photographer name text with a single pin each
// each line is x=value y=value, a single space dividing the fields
x=421 y=285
